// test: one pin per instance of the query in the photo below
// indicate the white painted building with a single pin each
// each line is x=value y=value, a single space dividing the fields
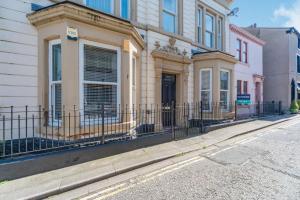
x=248 y=50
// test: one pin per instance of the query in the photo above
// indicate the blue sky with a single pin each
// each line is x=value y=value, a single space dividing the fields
x=267 y=13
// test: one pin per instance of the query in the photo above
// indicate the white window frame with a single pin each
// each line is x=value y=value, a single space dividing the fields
x=213 y=31
x=83 y=42
x=220 y=33
x=112 y=9
x=228 y=91
x=298 y=55
x=51 y=94
x=200 y=25
x=210 y=86
x=129 y=10
x=170 y=13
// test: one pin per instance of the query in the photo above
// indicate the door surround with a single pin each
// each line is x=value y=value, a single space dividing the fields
x=170 y=60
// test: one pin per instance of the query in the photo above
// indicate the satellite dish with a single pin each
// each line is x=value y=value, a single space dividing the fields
x=233 y=12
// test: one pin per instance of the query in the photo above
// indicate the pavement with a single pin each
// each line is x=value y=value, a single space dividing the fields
x=262 y=165
x=62 y=180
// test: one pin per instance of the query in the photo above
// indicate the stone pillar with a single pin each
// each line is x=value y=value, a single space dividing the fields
x=158 y=85
x=185 y=83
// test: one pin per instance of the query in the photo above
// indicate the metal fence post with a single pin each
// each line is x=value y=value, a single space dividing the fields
x=201 y=116
x=280 y=107
x=235 y=110
x=172 y=120
x=258 y=108
x=102 y=125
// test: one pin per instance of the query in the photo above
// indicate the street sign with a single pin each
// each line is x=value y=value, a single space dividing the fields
x=243 y=99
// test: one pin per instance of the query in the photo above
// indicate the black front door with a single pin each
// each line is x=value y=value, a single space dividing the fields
x=168 y=98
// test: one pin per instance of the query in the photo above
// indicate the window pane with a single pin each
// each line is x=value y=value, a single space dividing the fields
x=220 y=34
x=169 y=22
x=56 y=62
x=209 y=23
x=238 y=49
x=224 y=78
x=100 y=64
x=224 y=99
x=56 y=100
x=205 y=80
x=170 y=5
x=298 y=64
x=209 y=40
x=200 y=26
x=102 y=5
x=239 y=87
x=97 y=95
x=245 y=89
x=205 y=98
x=125 y=9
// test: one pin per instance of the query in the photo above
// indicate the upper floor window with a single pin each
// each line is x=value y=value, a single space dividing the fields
x=245 y=52
x=239 y=50
x=220 y=34
x=169 y=15
x=125 y=9
x=298 y=43
x=102 y=5
x=199 y=25
x=209 y=31
x=298 y=64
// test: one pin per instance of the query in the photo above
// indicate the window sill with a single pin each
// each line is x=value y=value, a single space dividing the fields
x=242 y=63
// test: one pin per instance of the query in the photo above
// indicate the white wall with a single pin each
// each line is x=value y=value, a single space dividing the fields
x=18 y=53
x=243 y=71
x=148 y=14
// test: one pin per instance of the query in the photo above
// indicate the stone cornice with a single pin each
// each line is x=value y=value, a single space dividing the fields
x=170 y=52
x=70 y=10
x=216 y=55
x=224 y=3
x=171 y=57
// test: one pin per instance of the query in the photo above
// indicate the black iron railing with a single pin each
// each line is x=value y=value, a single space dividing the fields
x=34 y=130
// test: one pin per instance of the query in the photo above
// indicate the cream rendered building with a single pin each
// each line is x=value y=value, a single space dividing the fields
x=152 y=52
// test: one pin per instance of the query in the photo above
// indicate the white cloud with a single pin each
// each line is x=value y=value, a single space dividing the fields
x=290 y=14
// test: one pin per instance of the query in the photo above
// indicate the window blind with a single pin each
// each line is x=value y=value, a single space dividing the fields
x=100 y=80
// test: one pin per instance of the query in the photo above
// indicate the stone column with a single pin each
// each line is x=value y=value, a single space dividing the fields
x=158 y=85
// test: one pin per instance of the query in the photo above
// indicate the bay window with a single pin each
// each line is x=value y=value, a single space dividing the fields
x=210 y=31
x=169 y=15
x=199 y=25
x=100 y=79
x=224 y=89
x=206 y=88
x=125 y=9
x=106 y=6
x=55 y=89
